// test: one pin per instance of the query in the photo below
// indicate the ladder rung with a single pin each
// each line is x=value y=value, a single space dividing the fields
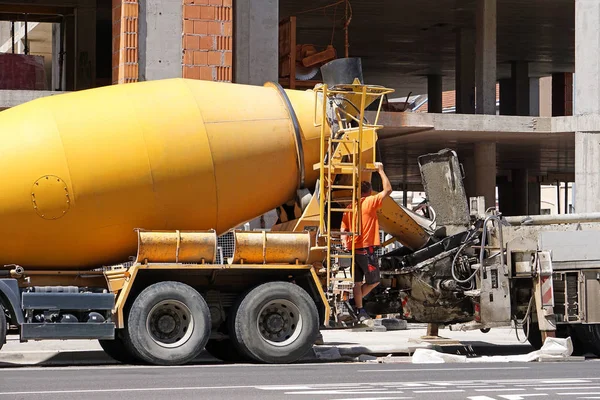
x=342 y=170
x=344 y=141
x=342 y=233
x=342 y=187
x=341 y=256
x=340 y=209
x=344 y=164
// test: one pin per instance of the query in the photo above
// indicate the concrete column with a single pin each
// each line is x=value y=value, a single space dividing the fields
x=562 y=94
x=520 y=200
x=85 y=72
x=256 y=47
x=160 y=44
x=465 y=71
x=520 y=74
x=546 y=96
x=507 y=97
x=587 y=101
x=70 y=61
x=485 y=172
x=434 y=93
x=468 y=163
x=534 y=198
x=485 y=51
x=514 y=92
x=534 y=97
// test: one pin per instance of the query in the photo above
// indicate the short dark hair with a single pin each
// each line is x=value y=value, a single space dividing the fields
x=365 y=188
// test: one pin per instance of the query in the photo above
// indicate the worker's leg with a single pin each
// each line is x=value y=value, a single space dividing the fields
x=372 y=275
x=357 y=290
x=367 y=287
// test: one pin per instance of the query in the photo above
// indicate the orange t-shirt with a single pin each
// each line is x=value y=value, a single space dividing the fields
x=369 y=224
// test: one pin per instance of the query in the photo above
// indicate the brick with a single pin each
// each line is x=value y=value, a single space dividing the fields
x=223 y=13
x=228 y=59
x=200 y=58
x=191 y=11
x=201 y=27
x=216 y=2
x=228 y=3
x=188 y=57
x=191 y=42
x=228 y=28
x=191 y=72
x=215 y=28
x=207 y=12
x=224 y=42
x=188 y=26
x=206 y=73
x=215 y=58
x=206 y=43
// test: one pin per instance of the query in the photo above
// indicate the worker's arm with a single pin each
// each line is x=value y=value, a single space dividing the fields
x=387 y=186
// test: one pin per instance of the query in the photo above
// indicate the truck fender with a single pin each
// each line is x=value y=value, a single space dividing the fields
x=9 y=297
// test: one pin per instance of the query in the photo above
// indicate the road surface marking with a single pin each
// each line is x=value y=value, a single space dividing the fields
x=570 y=388
x=499 y=390
x=438 y=369
x=376 y=398
x=439 y=391
x=314 y=392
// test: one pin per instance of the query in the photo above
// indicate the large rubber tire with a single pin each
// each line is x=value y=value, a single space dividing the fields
x=276 y=322
x=588 y=335
x=562 y=331
x=2 y=327
x=168 y=324
x=118 y=350
x=535 y=335
x=226 y=351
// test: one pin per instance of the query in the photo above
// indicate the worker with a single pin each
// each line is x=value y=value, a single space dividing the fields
x=366 y=264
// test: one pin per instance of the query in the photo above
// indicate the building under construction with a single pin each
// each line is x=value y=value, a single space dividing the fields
x=511 y=86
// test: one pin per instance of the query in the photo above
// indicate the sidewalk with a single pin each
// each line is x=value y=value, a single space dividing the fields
x=339 y=345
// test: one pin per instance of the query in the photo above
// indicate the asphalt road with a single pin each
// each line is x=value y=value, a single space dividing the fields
x=481 y=381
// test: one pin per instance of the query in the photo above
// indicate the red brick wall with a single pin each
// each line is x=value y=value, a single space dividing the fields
x=125 y=41
x=207 y=39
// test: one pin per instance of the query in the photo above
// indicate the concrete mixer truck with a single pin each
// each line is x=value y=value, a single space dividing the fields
x=112 y=200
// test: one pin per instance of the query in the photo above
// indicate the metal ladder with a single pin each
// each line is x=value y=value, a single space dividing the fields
x=342 y=165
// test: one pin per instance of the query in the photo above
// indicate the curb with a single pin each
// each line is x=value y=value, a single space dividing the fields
x=319 y=354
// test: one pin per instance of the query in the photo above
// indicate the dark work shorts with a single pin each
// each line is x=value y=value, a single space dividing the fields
x=366 y=267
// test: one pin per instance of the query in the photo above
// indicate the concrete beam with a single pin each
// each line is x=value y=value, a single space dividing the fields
x=160 y=45
x=485 y=54
x=256 y=47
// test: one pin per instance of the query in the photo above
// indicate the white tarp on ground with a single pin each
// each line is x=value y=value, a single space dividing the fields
x=553 y=348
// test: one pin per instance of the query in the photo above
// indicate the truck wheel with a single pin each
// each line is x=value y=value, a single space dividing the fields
x=588 y=336
x=276 y=322
x=226 y=351
x=168 y=324
x=117 y=350
x=562 y=331
x=2 y=327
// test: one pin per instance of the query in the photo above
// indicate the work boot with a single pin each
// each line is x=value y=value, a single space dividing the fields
x=363 y=316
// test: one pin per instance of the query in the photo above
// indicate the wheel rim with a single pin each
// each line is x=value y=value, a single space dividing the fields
x=170 y=323
x=279 y=322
